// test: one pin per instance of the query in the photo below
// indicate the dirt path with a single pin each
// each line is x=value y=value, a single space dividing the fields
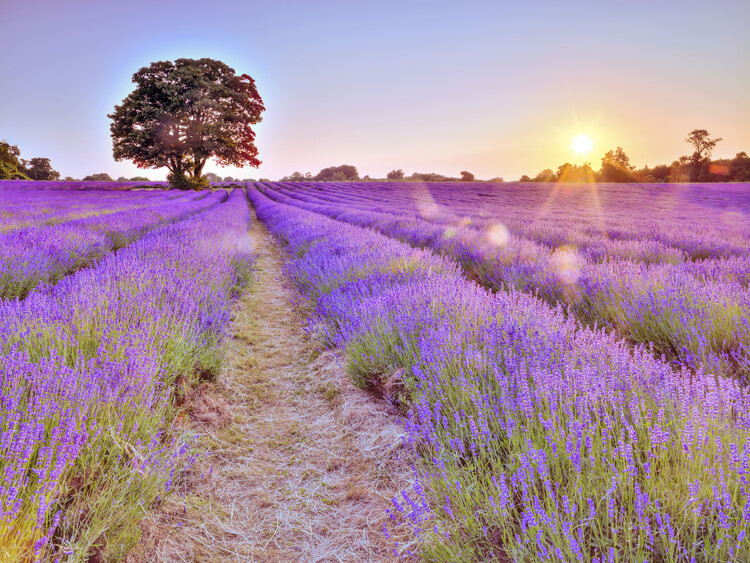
x=303 y=464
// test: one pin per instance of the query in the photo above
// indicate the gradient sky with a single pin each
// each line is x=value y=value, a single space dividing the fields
x=496 y=88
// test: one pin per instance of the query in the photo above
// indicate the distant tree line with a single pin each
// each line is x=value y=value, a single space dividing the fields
x=343 y=173
x=348 y=173
x=615 y=167
x=695 y=167
x=13 y=167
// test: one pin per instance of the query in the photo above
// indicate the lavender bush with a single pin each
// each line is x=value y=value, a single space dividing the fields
x=695 y=313
x=540 y=439
x=88 y=371
x=25 y=207
x=45 y=253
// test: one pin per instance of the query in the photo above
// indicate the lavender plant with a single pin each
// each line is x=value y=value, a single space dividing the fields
x=540 y=439
x=41 y=254
x=690 y=312
x=88 y=371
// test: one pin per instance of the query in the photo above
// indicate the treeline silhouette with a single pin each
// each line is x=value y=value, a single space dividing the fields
x=696 y=167
x=348 y=173
x=615 y=167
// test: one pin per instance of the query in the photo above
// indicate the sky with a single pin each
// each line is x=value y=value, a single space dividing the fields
x=496 y=88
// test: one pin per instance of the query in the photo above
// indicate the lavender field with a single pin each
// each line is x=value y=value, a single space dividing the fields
x=573 y=360
x=570 y=362
x=108 y=298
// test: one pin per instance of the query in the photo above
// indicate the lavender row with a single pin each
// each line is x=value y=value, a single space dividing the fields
x=26 y=207
x=594 y=245
x=684 y=222
x=45 y=254
x=88 y=373
x=539 y=439
x=698 y=321
x=594 y=248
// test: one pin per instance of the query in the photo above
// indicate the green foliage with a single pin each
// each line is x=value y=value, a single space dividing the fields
x=575 y=173
x=297 y=177
x=180 y=181
x=343 y=173
x=40 y=169
x=546 y=175
x=429 y=177
x=101 y=177
x=14 y=168
x=739 y=168
x=211 y=177
x=660 y=173
x=185 y=112
x=396 y=174
x=11 y=167
x=467 y=176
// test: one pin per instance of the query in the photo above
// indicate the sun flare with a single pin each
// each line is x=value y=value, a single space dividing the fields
x=581 y=144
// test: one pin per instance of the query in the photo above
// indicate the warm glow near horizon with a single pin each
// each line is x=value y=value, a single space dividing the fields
x=582 y=144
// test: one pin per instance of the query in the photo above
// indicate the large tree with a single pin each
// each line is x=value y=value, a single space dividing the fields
x=183 y=113
x=703 y=146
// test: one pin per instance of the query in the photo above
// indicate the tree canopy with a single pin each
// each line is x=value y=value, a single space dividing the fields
x=183 y=113
x=100 y=177
x=343 y=173
x=40 y=169
x=703 y=146
x=11 y=168
x=616 y=167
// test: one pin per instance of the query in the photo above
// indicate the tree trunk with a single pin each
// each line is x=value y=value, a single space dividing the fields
x=198 y=168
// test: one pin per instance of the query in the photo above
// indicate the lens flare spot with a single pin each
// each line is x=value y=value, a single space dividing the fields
x=498 y=235
x=425 y=203
x=567 y=263
x=733 y=218
x=246 y=244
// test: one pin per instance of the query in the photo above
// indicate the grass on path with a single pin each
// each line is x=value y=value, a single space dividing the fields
x=299 y=464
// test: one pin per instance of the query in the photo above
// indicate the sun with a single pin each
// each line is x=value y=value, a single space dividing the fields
x=581 y=144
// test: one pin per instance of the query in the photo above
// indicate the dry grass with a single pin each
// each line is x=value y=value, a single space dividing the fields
x=300 y=465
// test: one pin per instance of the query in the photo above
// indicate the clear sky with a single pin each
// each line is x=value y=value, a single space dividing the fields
x=496 y=88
